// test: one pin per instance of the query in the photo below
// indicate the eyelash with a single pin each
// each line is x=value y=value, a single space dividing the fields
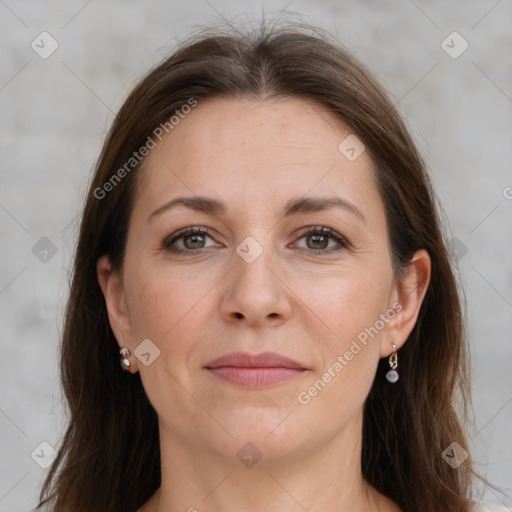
x=322 y=230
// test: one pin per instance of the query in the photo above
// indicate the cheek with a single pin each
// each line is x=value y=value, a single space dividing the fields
x=163 y=302
x=349 y=309
x=346 y=301
x=349 y=333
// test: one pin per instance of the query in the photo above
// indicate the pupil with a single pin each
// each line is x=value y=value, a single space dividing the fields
x=318 y=238
x=195 y=239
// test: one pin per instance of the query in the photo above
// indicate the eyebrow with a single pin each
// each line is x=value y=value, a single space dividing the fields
x=292 y=207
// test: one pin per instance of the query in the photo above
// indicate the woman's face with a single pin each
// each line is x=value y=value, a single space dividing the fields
x=261 y=179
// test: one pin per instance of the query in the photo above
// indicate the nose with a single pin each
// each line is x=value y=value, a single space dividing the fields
x=256 y=292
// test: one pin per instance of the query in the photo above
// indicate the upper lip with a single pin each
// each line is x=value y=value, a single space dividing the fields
x=263 y=360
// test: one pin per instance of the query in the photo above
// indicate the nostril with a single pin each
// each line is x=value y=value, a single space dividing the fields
x=239 y=315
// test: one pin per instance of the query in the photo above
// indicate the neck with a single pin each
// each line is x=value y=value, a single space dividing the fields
x=322 y=477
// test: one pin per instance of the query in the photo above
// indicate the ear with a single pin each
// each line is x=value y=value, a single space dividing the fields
x=408 y=296
x=111 y=284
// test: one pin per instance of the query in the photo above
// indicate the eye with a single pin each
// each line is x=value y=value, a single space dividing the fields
x=189 y=240
x=317 y=239
x=192 y=240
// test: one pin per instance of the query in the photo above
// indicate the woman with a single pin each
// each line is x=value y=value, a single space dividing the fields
x=261 y=251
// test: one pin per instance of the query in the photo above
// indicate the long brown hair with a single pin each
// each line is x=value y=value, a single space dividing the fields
x=109 y=459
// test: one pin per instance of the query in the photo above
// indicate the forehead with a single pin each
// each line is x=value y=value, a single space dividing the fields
x=249 y=150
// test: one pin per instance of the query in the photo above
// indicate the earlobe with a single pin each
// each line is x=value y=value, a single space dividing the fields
x=111 y=284
x=410 y=292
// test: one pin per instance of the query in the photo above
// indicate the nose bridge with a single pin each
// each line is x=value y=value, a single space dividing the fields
x=254 y=290
x=253 y=262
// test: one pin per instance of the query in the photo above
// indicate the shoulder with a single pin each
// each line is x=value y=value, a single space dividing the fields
x=483 y=507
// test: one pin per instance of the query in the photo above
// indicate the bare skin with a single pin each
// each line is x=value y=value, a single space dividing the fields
x=305 y=296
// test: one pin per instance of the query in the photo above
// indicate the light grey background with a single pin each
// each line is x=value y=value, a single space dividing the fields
x=55 y=112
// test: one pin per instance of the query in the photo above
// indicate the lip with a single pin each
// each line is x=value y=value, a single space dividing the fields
x=262 y=360
x=255 y=370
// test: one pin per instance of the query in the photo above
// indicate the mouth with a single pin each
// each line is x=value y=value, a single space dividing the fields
x=255 y=370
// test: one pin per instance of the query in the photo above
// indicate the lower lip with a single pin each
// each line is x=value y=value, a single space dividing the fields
x=255 y=377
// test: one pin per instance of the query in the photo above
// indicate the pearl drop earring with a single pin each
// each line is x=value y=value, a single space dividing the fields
x=392 y=374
